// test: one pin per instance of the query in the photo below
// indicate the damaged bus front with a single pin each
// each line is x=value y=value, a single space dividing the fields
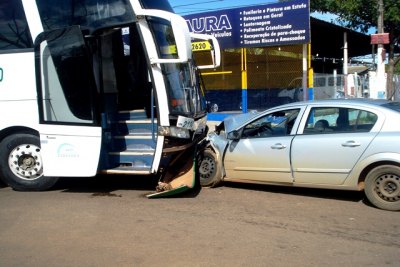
x=112 y=88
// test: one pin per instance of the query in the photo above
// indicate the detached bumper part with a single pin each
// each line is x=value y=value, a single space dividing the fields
x=184 y=181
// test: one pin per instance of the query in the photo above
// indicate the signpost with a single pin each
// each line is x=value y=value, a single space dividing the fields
x=380 y=38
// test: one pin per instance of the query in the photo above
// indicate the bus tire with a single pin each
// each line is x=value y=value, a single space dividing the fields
x=209 y=169
x=21 y=165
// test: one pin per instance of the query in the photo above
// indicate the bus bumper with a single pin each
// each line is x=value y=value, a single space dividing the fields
x=181 y=177
x=184 y=181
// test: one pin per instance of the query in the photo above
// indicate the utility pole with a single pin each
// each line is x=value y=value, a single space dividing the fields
x=345 y=64
x=380 y=73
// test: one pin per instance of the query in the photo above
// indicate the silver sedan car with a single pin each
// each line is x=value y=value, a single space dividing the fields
x=348 y=144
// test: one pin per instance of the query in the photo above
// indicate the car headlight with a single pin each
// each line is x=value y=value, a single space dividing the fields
x=174 y=131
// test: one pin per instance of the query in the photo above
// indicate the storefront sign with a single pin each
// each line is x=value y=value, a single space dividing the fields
x=256 y=26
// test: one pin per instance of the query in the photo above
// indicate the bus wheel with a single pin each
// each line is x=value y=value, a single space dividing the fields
x=21 y=165
x=382 y=187
x=209 y=169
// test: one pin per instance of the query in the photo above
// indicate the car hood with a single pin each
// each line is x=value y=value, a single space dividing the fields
x=234 y=122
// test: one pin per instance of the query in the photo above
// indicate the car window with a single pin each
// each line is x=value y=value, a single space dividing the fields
x=365 y=121
x=279 y=123
x=338 y=120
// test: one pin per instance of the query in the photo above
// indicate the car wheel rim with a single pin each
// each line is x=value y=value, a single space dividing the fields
x=25 y=161
x=387 y=187
x=207 y=168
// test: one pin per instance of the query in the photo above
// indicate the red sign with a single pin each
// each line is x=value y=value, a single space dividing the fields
x=380 y=38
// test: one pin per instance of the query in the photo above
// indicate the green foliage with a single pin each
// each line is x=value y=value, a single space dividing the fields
x=362 y=15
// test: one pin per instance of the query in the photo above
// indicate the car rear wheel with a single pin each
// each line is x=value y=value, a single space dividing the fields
x=209 y=169
x=382 y=187
x=21 y=165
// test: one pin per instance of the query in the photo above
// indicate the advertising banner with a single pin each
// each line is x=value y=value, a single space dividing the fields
x=256 y=26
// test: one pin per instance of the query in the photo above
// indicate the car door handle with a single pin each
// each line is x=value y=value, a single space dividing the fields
x=278 y=146
x=351 y=144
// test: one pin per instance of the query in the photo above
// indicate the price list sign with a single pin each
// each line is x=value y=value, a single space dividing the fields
x=256 y=26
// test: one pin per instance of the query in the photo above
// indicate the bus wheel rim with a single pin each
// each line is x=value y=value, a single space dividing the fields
x=25 y=161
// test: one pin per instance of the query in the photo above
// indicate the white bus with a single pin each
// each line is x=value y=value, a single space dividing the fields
x=97 y=86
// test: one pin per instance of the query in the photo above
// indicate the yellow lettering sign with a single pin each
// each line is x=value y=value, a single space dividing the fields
x=201 y=46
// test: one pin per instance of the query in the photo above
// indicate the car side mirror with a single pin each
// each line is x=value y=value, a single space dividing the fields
x=234 y=135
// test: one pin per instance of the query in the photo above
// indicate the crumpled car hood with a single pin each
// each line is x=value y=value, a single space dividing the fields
x=233 y=122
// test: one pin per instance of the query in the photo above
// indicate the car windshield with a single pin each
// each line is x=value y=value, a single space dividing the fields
x=393 y=106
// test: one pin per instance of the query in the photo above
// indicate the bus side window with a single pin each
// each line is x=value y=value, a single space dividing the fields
x=14 y=28
x=67 y=81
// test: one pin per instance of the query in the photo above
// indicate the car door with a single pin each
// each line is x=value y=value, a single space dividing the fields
x=331 y=142
x=70 y=135
x=263 y=151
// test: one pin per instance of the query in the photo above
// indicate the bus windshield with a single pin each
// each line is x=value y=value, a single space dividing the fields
x=183 y=89
x=180 y=79
x=90 y=14
x=157 y=4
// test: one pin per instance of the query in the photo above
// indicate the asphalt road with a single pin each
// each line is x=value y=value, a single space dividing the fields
x=107 y=221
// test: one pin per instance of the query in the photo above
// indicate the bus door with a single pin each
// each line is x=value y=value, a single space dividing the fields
x=70 y=133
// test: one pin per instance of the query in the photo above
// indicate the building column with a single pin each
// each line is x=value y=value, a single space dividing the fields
x=244 y=79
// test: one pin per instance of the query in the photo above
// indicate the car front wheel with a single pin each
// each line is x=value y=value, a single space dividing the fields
x=21 y=165
x=209 y=169
x=382 y=187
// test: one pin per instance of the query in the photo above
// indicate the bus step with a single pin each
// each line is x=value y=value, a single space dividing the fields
x=132 y=143
x=140 y=148
x=132 y=159
x=142 y=127
x=132 y=153
x=127 y=170
x=132 y=114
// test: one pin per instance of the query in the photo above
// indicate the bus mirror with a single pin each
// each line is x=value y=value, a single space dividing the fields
x=180 y=31
x=1 y=74
x=209 y=43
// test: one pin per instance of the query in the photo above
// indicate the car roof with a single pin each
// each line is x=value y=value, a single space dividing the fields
x=233 y=122
x=346 y=101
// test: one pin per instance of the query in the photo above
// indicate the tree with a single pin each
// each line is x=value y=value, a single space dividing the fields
x=362 y=15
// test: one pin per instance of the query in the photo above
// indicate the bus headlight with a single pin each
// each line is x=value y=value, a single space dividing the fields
x=174 y=131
